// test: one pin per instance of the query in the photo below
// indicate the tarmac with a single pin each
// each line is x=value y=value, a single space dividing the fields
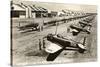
x=25 y=48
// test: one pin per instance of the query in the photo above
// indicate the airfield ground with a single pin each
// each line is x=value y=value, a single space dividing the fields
x=25 y=50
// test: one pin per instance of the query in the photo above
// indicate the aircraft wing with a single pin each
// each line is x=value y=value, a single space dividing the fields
x=52 y=56
x=54 y=50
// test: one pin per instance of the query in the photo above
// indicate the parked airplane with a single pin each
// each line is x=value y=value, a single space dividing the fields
x=77 y=30
x=83 y=24
x=58 y=43
x=29 y=26
x=89 y=19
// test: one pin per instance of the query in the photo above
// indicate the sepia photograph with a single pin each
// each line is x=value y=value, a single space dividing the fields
x=52 y=33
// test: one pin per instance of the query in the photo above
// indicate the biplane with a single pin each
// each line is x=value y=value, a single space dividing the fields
x=59 y=43
x=84 y=24
x=77 y=30
x=89 y=19
x=29 y=26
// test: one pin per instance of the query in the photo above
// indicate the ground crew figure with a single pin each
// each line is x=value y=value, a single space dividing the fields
x=43 y=43
x=40 y=44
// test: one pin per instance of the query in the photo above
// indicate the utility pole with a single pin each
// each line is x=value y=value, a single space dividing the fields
x=56 y=28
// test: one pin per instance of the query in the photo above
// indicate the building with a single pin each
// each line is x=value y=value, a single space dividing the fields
x=27 y=11
x=37 y=11
x=18 y=11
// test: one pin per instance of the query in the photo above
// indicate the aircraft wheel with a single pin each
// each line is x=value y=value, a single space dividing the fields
x=75 y=33
x=81 y=50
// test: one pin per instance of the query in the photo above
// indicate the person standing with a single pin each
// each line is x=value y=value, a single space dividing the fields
x=43 y=43
x=40 y=44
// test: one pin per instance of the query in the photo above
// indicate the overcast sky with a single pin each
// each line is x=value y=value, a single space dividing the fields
x=60 y=6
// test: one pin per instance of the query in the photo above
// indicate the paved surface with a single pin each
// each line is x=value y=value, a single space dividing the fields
x=26 y=51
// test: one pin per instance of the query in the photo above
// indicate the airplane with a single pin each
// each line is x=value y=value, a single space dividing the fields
x=83 y=24
x=88 y=20
x=29 y=26
x=59 y=43
x=77 y=30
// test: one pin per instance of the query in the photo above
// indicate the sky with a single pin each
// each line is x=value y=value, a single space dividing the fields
x=60 y=6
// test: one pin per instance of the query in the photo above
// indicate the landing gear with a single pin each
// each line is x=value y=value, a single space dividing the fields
x=75 y=33
x=81 y=50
